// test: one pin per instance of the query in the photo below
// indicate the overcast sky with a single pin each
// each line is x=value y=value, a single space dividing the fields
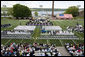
x=46 y=4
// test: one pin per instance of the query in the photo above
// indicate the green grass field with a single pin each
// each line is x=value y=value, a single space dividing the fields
x=78 y=17
x=79 y=41
x=56 y=42
x=4 y=41
x=65 y=23
x=45 y=41
x=13 y=23
x=36 y=33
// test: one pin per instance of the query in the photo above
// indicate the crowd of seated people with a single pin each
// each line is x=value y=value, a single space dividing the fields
x=26 y=49
x=75 y=50
x=5 y=25
x=39 y=22
x=77 y=28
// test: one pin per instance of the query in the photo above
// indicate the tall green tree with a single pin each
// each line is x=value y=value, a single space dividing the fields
x=72 y=10
x=36 y=13
x=21 y=11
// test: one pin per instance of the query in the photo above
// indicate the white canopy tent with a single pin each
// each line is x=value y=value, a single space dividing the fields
x=25 y=28
x=54 y=28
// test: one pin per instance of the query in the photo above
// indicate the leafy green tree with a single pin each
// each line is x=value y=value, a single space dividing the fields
x=72 y=10
x=21 y=11
x=36 y=13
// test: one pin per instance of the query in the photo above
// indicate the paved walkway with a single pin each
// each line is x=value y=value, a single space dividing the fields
x=63 y=51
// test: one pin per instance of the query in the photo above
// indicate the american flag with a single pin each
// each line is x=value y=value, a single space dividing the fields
x=64 y=16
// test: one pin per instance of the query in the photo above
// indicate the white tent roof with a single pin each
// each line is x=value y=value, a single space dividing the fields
x=52 y=27
x=24 y=28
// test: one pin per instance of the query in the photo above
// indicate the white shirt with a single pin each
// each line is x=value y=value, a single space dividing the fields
x=59 y=54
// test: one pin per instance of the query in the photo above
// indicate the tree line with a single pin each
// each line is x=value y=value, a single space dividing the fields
x=19 y=10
